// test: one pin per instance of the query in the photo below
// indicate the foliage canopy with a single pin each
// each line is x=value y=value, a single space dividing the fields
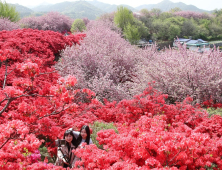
x=8 y=11
x=78 y=26
x=123 y=17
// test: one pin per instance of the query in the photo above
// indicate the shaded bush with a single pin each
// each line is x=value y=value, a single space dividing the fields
x=213 y=111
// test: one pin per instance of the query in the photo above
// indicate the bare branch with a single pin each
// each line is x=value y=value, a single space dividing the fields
x=3 y=100
x=13 y=98
x=14 y=135
x=28 y=95
x=5 y=143
x=46 y=73
x=175 y=156
x=55 y=113
x=9 y=101
x=5 y=75
x=11 y=71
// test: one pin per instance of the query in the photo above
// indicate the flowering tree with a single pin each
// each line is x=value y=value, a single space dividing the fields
x=6 y=24
x=86 y=21
x=184 y=72
x=51 y=21
x=192 y=14
x=104 y=63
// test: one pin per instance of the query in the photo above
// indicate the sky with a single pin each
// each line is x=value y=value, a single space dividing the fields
x=202 y=4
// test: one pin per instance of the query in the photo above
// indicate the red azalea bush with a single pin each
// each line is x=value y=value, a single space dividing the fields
x=19 y=144
x=53 y=21
x=211 y=103
x=6 y=24
x=33 y=97
x=18 y=45
x=153 y=134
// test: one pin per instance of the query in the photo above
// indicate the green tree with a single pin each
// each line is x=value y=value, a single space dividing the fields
x=166 y=30
x=123 y=17
x=147 y=19
x=189 y=28
x=205 y=22
x=160 y=29
x=217 y=12
x=218 y=19
x=176 y=9
x=176 y=20
x=142 y=29
x=165 y=15
x=8 y=11
x=215 y=30
x=132 y=34
x=145 y=12
x=156 y=11
x=78 y=26
x=174 y=31
x=202 y=32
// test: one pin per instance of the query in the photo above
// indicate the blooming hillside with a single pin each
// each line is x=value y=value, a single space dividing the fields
x=155 y=130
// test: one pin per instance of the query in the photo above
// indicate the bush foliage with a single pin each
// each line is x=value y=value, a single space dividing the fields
x=168 y=25
x=214 y=111
x=100 y=126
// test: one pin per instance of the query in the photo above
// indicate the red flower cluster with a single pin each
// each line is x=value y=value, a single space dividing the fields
x=211 y=103
x=32 y=100
x=154 y=135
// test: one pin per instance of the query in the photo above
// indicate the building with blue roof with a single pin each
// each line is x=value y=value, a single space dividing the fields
x=192 y=44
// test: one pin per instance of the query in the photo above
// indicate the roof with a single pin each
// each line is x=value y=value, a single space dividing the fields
x=182 y=39
x=197 y=42
x=142 y=42
x=201 y=40
x=190 y=41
